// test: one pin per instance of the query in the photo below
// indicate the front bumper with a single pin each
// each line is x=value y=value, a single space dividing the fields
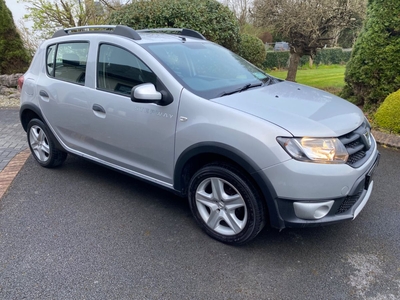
x=326 y=194
x=345 y=208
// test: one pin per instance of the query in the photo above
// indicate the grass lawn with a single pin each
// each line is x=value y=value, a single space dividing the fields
x=328 y=78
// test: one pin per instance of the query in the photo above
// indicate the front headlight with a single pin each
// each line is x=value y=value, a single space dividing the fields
x=318 y=150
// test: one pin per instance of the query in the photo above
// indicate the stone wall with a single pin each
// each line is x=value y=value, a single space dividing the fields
x=9 y=94
x=10 y=81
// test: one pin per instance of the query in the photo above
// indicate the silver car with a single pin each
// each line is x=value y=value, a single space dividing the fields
x=183 y=113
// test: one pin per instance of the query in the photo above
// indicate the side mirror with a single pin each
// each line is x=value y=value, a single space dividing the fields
x=146 y=93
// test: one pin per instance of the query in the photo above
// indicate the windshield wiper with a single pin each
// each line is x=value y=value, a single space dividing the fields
x=243 y=88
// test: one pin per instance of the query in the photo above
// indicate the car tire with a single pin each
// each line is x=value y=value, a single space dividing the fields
x=226 y=204
x=42 y=146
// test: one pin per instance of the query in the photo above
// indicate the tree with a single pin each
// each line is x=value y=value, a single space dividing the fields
x=373 y=71
x=212 y=19
x=241 y=9
x=49 y=15
x=30 y=41
x=307 y=25
x=13 y=56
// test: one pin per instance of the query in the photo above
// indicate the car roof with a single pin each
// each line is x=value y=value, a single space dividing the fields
x=139 y=36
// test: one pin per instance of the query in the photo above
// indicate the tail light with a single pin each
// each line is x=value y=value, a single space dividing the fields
x=20 y=82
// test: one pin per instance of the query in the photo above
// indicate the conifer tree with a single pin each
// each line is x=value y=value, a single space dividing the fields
x=373 y=71
x=13 y=56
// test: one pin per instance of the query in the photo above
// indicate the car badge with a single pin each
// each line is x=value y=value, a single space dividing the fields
x=367 y=139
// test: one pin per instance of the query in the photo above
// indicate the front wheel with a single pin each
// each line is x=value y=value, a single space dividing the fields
x=226 y=204
x=42 y=146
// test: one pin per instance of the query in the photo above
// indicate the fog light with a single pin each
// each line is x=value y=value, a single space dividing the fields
x=312 y=210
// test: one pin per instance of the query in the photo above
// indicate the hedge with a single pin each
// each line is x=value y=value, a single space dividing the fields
x=329 y=56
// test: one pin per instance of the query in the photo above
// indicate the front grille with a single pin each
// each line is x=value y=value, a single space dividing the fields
x=348 y=203
x=357 y=143
x=354 y=158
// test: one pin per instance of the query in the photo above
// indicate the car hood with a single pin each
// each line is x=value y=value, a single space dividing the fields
x=301 y=110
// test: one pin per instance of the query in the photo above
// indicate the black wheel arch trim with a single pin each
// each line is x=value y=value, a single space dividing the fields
x=31 y=107
x=242 y=160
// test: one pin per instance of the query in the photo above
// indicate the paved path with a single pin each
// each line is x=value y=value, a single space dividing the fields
x=12 y=136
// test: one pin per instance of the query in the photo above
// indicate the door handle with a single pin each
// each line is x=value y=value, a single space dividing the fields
x=98 y=108
x=44 y=94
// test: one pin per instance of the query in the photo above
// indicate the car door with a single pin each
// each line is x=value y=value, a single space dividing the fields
x=63 y=96
x=138 y=137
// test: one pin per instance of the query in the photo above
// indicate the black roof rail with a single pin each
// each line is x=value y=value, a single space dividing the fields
x=180 y=31
x=121 y=30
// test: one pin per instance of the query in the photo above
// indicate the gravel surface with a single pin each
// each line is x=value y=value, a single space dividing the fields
x=10 y=100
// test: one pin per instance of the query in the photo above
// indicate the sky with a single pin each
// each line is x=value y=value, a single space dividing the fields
x=17 y=9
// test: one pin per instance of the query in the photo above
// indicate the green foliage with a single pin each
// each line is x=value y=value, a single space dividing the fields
x=277 y=60
x=327 y=56
x=256 y=31
x=374 y=69
x=388 y=114
x=49 y=15
x=13 y=57
x=212 y=19
x=347 y=37
x=252 y=49
x=332 y=56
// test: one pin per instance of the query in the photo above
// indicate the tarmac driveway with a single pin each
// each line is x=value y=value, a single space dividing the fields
x=85 y=232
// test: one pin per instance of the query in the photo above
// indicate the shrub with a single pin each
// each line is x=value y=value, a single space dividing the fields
x=388 y=114
x=374 y=69
x=252 y=49
x=212 y=19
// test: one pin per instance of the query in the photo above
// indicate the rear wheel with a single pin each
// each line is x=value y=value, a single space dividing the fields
x=42 y=146
x=225 y=204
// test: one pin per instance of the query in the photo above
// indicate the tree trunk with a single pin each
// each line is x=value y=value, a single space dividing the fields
x=293 y=64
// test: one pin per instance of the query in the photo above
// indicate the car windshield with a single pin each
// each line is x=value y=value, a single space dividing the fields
x=207 y=69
